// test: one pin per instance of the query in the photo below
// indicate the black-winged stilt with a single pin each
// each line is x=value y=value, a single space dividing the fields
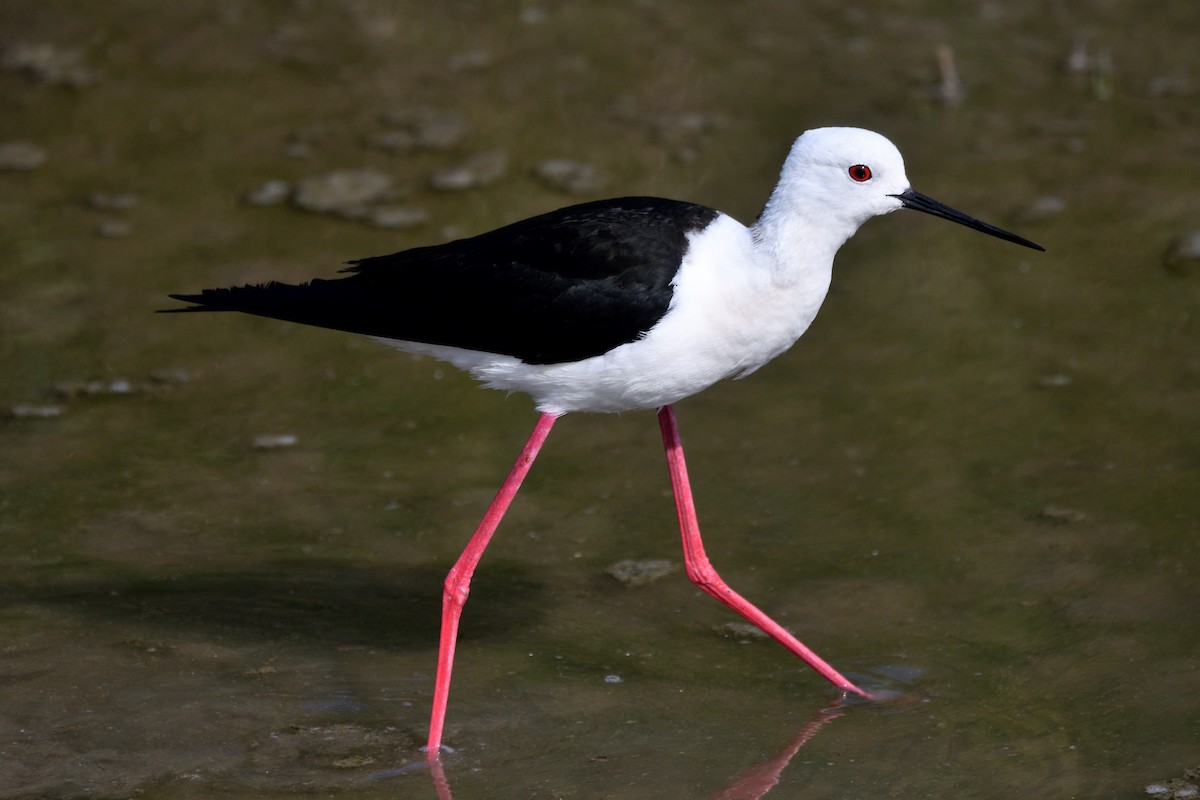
x=616 y=305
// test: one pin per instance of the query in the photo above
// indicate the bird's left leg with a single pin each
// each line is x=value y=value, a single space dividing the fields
x=458 y=581
x=702 y=573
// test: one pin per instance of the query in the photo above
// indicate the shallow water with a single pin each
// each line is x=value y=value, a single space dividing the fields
x=971 y=484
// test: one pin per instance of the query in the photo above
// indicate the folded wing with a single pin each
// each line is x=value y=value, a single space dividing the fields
x=562 y=286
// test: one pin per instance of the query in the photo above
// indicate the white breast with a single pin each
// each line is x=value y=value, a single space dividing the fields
x=729 y=315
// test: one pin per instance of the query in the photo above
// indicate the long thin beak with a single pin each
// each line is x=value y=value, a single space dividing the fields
x=913 y=199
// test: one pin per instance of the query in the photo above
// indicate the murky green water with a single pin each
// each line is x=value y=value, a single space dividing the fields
x=973 y=481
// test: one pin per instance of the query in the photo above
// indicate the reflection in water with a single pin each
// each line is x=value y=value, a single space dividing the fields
x=750 y=784
x=761 y=778
x=441 y=784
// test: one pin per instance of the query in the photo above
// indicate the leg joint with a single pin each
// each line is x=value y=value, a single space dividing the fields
x=455 y=589
x=702 y=573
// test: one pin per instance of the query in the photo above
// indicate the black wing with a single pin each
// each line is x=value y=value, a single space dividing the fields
x=562 y=286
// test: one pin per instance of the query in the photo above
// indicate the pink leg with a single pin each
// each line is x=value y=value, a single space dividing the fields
x=701 y=572
x=458 y=582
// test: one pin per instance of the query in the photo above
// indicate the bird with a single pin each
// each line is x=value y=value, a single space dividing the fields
x=631 y=303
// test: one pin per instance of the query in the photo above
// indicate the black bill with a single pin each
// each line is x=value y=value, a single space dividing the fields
x=919 y=202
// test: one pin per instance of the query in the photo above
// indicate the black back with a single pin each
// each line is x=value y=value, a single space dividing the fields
x=562 y=286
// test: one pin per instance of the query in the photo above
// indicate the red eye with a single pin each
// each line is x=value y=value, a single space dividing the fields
x=860 y=173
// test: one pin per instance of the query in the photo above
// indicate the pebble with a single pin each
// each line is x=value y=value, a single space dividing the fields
x=426 y=128
x=104 y=201
x=1183 y=256
x=258 y=672
x=49 y=64
x=159 y=379
x=35 y=412
x=1043 y=208
x=345 y=192
x=469 y=61
x=270 y=193
x=683 y=134
x=632 y=572
x=1062 y=515
x=744 y=630
x=1096 y=67
x=114 y=229
x=482 y=169
x=302 y=141
x=393 y=141
x=572 y=177
x=1055 y=380
x=397 y=217
x=301 y=151
x=686 y=125
x=117 y=386
x=1172 y=85
x=274 y=441
x=170 y=377
x=532 y=15
x=21 y=156
x=1175 y=789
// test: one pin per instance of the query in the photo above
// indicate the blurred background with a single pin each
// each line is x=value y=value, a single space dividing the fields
x=972 y=483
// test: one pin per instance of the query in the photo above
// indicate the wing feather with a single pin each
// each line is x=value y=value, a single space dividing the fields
x=558 y=287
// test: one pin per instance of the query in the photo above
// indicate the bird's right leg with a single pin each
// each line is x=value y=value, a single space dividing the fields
x=458 y=581
x=702 y=573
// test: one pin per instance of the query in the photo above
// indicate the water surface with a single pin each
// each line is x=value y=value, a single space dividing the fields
x=972 y=483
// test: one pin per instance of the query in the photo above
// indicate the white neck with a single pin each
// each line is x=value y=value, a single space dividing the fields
x=798 y=237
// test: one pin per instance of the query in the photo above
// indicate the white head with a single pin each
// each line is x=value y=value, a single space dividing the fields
x=849 y=174
x=835 y=179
